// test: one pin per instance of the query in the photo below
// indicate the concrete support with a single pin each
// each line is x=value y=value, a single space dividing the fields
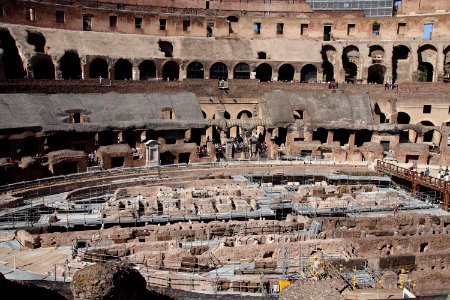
x=135 y=73
x=351 y=141
x=330 y=137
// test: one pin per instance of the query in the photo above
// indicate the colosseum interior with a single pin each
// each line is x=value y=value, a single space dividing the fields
x=292 y=149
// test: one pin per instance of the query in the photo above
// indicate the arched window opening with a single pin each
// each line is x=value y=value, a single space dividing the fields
x=264 y=72
x=70 y=65
x=36 y=39
x=308 y=73
x=10 y=59
x=98 y=67
x=218 y=71
x=123 y=70
x=350 y=59
x=376 y=52
x=230 y=21
x=328 y=71
x=195 y=70
x=147 y=70
x=245 y=114
x=320 y=134
x=43 y=67
x=376 y=74
x=171 y=71
x=425 y=72
x=286 y=73
x=241 y=71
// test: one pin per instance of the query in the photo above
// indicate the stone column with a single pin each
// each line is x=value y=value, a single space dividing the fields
x=365 y=63
x=419 y=138
x=339 y=72
x=58 y=72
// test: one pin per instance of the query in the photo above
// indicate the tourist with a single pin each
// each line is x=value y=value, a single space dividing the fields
x=100 y=80
x=427 y=171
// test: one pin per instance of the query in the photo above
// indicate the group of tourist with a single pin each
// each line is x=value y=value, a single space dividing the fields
x=443 y=174
x=202 y=151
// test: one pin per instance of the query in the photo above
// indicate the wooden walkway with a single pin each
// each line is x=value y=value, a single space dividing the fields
x=417 y=180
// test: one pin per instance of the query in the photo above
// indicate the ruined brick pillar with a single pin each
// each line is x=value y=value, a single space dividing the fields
x=135 y=73
x=419 y=139
x=439 y=72
x=351 y=141
x=330 y=137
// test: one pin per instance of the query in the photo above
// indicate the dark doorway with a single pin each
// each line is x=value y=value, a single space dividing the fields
x=342 y=136
x=286 y=72
x=385 y=145
x=69 y=167
x=351 y=71
x=195 y=70
x=147 y=70
x=171 y=71
x=12 y=63
x=218 y=71
x=327 y=32
x=308 y=73
x=241 y=71
x=70 y=65
x=43 y=67
x=412 y=158
x=117 y=162
x=362 y=136
x=123 y=70
x=183 y=158
x=376 y=74
x=321 y=135
x=167 y=158
x=264 y=72
x=98 y=67
x=280 y=138
x=328 y=71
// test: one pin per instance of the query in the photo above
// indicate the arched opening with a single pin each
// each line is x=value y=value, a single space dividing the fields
x=403 y=118
x=350 y=59
x=425 y=72
x=400 y=63
x=98 y=67
x=209 y=31
x=298 y=114
x=428 y=136
x=376 y=52
x=147 y=70
x=195 y=70
x=218 y=71
x=226 y=115
x=308 y=73
x=328 y=71
x=43 y=67
x=171 y=71
x=123 y=70
x=36 y=39
x=245 y=114
x=29 y=146
x=376 y=74
x=204 y=114
x=70 y=65
x=166 y=47
x=241 y=71
x=351 y=72
x=11 y=61
x=320 y=134
x=286 y=72
x=328 y=56
x=264 y=72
